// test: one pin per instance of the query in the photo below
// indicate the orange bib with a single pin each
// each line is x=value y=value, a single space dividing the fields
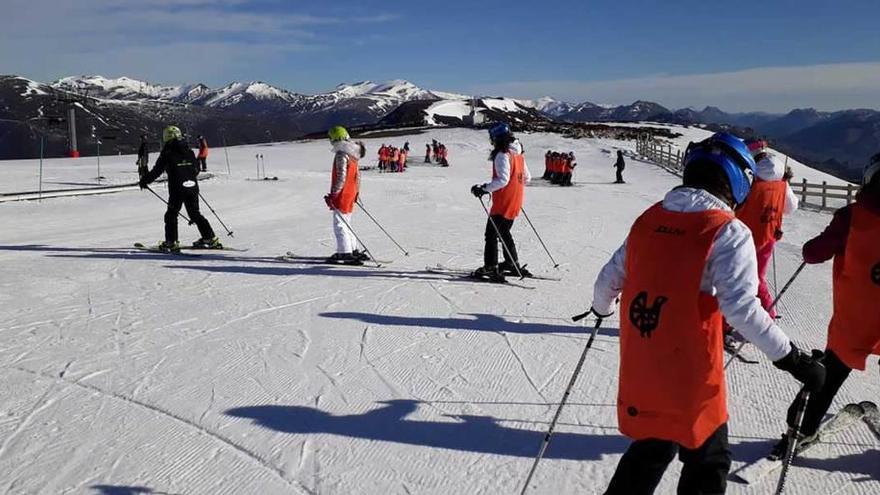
x=345 y=201
x=671 y=384
x=762 y=211
x=854 y=332
x=508 y=200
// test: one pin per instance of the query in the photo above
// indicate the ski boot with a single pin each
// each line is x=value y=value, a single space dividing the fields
x=490 y=273
x=508 y=268
x=163 y=246
x=732 y=339
x=345 y=259
x=361 y=255
x=803 y=443
x=208 y=244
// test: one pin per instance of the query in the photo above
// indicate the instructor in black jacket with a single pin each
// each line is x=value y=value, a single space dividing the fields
x=178 y=161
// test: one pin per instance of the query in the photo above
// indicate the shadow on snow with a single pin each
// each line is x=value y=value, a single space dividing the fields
x=478 y=322
x=388 y=423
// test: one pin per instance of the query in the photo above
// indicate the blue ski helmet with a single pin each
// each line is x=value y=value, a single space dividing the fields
x=732 y=155
x=498 y=130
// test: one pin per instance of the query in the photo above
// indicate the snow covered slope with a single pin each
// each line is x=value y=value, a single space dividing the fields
x=233 y=373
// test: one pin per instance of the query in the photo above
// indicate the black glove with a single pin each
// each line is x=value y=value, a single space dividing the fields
x=806 y=369
x=479 y=190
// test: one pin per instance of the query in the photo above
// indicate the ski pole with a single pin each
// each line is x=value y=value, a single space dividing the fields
x=226 y=151
x=148 y=188
x=793 y=430
x=358 y=239
x=775 y=301
x=228 y=232
x=555 y=264
x=507 y=251
x=775 y=285
x=361 y=205
x=577 y=371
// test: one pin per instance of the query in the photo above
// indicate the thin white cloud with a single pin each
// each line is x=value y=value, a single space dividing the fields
x=45 y=39
x=774 y=89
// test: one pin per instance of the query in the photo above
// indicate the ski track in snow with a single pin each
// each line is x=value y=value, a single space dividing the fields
x=235 y=373
x=43 y=404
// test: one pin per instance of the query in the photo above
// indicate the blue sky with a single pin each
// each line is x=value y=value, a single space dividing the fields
x=771 y=55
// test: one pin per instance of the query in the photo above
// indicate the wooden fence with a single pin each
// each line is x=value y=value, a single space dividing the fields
x=829 y=197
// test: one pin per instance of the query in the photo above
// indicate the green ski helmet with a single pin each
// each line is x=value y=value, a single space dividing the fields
x=171 y=133
x=337 y=133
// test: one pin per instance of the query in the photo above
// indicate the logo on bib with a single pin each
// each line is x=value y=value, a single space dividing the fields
x=769 y=215
x=645 y=318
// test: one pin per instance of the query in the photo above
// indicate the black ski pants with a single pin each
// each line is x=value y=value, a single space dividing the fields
x=490 y=253
x=203 y=164
x=619 y=175
x=643 y=464
x=189 y=198
x=836 y=372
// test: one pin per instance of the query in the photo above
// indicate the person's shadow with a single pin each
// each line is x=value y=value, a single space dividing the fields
x=477 y=322
x=388 y=423
x=126 y=490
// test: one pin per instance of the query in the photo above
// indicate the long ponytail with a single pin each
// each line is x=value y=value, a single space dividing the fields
x=501 y=145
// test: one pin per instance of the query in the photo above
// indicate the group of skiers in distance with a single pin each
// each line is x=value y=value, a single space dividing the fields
x=717 y=230
x=439 y=152
x=393 y=159
x=559 y=167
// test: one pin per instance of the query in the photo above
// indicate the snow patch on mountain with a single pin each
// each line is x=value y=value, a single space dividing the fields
x=33 y=88
x=458 y=109
x=236 y=92
x=550 y=106
x=124 y=88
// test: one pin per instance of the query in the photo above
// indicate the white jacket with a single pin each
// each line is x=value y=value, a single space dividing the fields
x=502 y=168
x=343 y=151
x=771 y=169
x=731 y=275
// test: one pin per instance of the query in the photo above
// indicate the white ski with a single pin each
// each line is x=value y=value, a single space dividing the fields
x=871 y=417
x=846 y=417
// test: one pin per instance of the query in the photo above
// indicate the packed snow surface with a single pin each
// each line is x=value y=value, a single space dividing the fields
x=233 y=373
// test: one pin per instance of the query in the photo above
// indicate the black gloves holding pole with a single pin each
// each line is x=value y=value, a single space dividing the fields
x=479 y=190
x=807 y=369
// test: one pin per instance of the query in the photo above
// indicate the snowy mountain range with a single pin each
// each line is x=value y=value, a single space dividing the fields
x=379 y=98
x=245 y=112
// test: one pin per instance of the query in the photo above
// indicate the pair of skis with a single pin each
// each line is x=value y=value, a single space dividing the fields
x=184 y=250
x=850 y=415
x=292 y=257
x=462 y=274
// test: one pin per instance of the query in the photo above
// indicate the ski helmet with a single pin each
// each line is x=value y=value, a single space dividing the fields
x=499 y=130
x=337 y=133
x=872 y=171
x=171 y=133
x=732 y=155
x=756 y=146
